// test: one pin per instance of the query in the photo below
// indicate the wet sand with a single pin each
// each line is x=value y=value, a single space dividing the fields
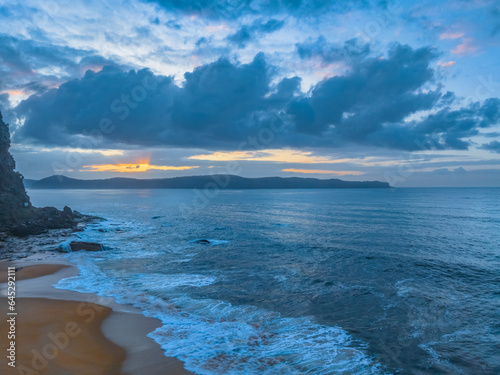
x=64 y=332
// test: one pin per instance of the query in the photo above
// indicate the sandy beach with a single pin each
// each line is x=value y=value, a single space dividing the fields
x=64 y=332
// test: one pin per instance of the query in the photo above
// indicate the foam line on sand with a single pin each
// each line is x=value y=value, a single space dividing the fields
x=65 y=332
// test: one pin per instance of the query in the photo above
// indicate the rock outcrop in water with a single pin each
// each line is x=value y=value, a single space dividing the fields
x=17 y=216
x=88 y=246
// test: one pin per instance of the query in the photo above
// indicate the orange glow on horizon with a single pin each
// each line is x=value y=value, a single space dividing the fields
x=140 y=166
x=273 y=155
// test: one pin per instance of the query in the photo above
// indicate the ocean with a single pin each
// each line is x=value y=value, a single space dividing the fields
x=348 y=281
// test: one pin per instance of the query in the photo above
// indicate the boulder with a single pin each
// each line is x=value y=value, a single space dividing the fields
x=88 y=246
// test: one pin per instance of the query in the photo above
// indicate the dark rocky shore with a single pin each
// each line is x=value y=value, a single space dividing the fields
x=18 y=217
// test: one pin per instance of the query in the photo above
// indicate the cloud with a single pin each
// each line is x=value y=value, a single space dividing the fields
x=491 y=134
x=232 y=9
x=27 y=65
x=283 y=156
x=350 y=51
x=451 y=35
x=495 y=15
x=375 y=92
x=146 y=109
x=4 y=102
x=466 y=48
x=5 y=109
x=258 y=28
x=446 y=171
x=445 y=129
x=493 y=146
x=446 y=64
x=392 y=103
x=83 y=106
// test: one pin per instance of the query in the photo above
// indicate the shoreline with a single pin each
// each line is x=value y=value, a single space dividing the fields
x=112 y=338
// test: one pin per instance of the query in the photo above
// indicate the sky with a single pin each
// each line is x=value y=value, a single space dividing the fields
x=398 y=91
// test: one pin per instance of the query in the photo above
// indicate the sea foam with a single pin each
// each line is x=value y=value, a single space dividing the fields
x=215 y=337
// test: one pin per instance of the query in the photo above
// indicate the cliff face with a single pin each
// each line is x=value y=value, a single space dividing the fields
x=15 y=204
x=17 y=216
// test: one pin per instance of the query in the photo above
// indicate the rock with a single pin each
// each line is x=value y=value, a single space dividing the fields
x=68 y=212
x=52 y=218
x=88 y=246
x=25 y=230
x=202 y=242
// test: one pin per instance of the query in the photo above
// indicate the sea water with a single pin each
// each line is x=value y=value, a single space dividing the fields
x=352 y=281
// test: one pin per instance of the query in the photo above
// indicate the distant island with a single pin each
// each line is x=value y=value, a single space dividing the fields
x=201 y=182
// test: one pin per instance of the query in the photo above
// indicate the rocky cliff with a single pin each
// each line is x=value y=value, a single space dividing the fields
x=14 y=202
x=17 y=216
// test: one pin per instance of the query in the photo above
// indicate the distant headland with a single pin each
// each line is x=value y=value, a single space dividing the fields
x=200 y=182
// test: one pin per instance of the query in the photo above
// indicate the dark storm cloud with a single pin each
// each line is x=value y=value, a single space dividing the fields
x=21 y=61
x=258 y=28
x=220 y=93
x=375 y=92
x=79 y=105
x=446 y=129
x=369 y=104
x=215 y=105
x=221 y=104
x=352 y=50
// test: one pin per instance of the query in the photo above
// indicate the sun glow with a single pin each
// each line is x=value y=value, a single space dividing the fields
x=141 y=166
